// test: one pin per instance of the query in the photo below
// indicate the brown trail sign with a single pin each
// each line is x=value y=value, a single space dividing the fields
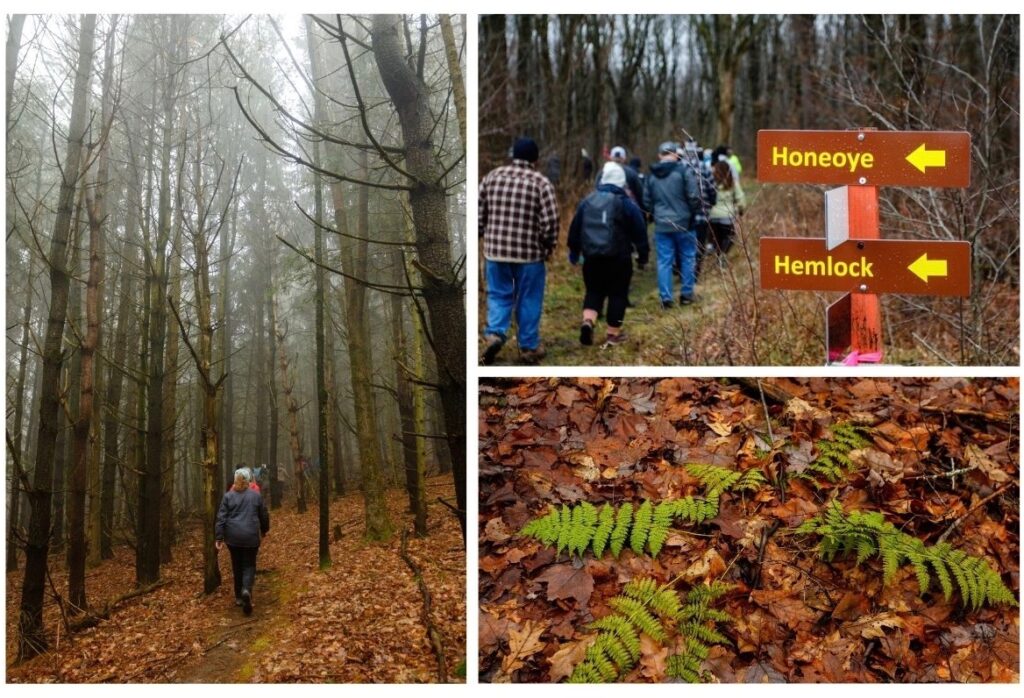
x=874 y=158
x=852 y=257
x=917 y=267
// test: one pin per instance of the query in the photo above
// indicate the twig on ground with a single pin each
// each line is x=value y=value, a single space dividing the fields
x=979 y=505
x=433 y=634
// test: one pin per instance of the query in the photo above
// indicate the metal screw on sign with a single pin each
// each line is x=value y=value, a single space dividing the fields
x=863 y=180
x=860 y=136
x=863 y=288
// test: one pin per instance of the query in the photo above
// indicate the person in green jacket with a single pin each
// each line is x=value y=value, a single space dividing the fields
x=728 y=206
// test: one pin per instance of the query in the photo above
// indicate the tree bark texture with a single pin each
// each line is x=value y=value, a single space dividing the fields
x=31 y=638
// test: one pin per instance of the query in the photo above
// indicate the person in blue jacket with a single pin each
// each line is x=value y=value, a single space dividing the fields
x=672 y=197
x=242 y=521
x=606 y=229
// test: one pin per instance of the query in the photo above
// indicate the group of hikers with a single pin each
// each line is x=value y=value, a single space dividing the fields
x=692 y=196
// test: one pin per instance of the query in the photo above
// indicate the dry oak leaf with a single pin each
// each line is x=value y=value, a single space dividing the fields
x=977 y=458
x=709 y=566
x=874 y=626
x=798 y=410
x=564 y=582
x=565 y=659
x=496 y=531
x=522 y=643
x=881 y=464
x=719 y=425
x=653 y=658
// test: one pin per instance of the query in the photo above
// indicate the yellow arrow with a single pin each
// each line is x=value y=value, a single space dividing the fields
x=924 y=267
x=922 y=158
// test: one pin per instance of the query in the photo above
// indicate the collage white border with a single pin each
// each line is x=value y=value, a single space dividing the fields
x=475 y=372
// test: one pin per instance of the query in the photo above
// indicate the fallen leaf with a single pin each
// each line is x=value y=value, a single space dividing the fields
x=565 y=581
x=565 y=659
x=719 y=425
x=496 y=531
x=522 y=644
x=653 y=658
x=799 y=410
x=874 y=626
x=709 y=566
x=976 y=458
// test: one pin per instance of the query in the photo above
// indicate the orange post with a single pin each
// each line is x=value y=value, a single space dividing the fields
x=866 y=314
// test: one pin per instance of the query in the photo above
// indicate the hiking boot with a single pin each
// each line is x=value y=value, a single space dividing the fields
x=532 y=357
x=685 y=300
x=616 y=339
x=587 y=333
x=246 y=602
x=494 y=345
x=666 y=304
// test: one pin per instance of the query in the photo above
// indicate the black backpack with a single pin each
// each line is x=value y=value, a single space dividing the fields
x=599 y=237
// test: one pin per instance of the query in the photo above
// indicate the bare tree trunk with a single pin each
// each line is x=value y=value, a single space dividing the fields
x=354 y=260
x=451 y=54
x=147 y=548
x=31 y=638
x=112 y=413
x=14 y=28
x=443 y=287
x=15 y=488
x=323 y=400
x=169 y=410
x=294 y=435
x=276 y=495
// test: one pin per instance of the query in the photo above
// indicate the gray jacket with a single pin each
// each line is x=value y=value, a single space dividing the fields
x=671 y=195
x=242 y=518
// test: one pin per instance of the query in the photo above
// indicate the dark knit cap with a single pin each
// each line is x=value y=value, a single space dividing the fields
x=525 y=149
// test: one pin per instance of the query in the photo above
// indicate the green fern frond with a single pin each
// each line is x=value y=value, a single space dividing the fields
x=869 y=534
x=641 y=527
x=684 y=666
x=664 y=514
x=605 y=524
x=647 y=607
x=637 y=614
x=565 y=528
x=623 y=522
x=833 y=460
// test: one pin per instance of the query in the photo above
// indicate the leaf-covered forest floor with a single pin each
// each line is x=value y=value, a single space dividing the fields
x=736 y=323
x=942 y=458
x=359 y=621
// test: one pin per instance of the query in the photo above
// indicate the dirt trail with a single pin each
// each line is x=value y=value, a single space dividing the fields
x=236 y=640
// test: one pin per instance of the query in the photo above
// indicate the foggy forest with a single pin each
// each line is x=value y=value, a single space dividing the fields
x=235 y=245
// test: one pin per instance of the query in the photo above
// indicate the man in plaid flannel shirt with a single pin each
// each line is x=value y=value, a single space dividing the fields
x=518 y=221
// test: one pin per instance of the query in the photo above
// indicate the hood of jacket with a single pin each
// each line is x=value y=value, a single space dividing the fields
x=664 y=168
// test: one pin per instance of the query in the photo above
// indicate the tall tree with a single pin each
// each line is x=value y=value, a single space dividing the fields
x=442 y=279
x=323 y=399
x=31 y=638
x=147 y=548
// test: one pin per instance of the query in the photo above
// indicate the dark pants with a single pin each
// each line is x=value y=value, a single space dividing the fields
x=243 y=565
x=722 y=233
x=704 y=235
x=607 y=278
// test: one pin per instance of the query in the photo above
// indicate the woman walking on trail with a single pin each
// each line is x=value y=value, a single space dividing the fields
x=241 y=522
x=729 y=204
x=607 y=226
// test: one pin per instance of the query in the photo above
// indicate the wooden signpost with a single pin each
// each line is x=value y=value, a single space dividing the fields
x=851 y=257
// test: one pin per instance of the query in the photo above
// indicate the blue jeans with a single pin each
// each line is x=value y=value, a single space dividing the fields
x=669 y=246
x=515 y=286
